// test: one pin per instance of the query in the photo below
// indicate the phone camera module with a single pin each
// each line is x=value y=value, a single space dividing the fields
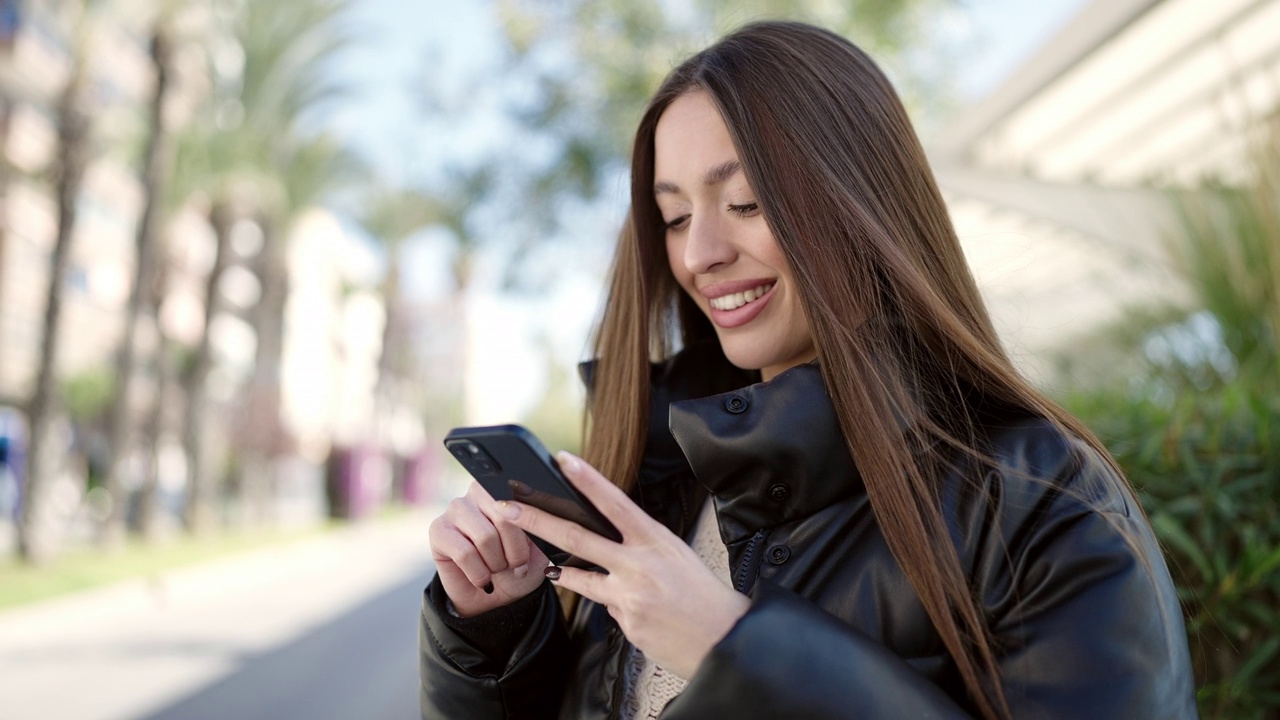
x=472 y=456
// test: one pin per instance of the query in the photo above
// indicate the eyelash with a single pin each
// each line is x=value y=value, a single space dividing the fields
x=744 y=210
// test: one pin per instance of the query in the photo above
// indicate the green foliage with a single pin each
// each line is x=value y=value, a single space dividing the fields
x=1207 y=469
x=1229 y=254
x=575 y=78
x=1197 y=431
x=87 y=394
x=268 y=62
x=392 y=215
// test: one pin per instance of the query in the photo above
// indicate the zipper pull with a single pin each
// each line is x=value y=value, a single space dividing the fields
x=745 y=576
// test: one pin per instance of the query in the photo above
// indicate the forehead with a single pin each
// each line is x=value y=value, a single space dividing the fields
x=689 y=138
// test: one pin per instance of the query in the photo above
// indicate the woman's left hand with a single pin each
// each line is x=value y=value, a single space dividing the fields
x=666 y=600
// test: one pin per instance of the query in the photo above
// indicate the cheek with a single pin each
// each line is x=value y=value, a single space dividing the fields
x=770 y=253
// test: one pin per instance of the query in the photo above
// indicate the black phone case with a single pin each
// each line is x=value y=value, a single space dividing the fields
x=511 y=464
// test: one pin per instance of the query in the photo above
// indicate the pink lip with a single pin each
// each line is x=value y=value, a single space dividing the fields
x=745 y=314
x=734 y=286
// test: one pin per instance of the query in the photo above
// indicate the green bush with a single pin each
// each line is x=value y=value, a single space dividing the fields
x=1197 y=431
x=1207 y=469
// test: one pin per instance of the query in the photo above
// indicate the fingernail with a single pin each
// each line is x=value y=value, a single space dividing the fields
x=520 y=489
x=522 y=570
x=509 y=510
x=568 y=461
x=488 y=589
x=552 y=572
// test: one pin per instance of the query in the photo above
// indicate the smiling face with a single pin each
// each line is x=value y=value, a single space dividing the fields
x=719 y=246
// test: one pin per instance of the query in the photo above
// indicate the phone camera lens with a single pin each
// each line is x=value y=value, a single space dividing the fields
x=459 y=452
x=485 y=466
x=470 y=447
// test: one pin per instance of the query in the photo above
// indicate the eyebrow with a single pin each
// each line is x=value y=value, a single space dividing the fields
x=714 y=176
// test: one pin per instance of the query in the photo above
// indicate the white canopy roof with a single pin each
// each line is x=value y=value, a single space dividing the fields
x=1047 y=177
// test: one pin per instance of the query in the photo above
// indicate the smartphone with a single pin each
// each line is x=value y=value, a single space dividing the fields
x=511 y=464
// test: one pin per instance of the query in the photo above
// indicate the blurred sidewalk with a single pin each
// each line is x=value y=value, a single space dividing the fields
x=133 y=649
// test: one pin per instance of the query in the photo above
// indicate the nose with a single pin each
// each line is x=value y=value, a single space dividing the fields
x=708 y=245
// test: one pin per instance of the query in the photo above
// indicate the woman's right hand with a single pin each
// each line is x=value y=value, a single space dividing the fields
x=484 y=561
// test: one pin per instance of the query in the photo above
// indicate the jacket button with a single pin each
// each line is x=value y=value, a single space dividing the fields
x=779 y=492
x=779 y=554
x=735 y=405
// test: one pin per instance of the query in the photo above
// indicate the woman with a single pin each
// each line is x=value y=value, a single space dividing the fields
x=838 y=499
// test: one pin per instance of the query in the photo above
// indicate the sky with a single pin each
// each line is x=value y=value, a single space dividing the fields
x=403 y=44
x=403 y=40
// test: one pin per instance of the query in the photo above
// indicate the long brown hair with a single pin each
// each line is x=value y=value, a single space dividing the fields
x=847 y=191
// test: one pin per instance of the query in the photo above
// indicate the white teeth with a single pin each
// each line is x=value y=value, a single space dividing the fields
x=734 y=301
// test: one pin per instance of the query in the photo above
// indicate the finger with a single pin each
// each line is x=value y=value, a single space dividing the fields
x=565 y=534
x=447 y=543
x=478 y=494
x=515 y=543
x=608 y=498
x=589 y=584
x=481 y=531
x=455 y=581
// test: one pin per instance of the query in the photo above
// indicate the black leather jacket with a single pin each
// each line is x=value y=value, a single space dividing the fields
x=1085 y=621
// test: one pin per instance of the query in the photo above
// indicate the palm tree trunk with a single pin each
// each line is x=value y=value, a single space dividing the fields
x=166 y=374
x=149 y=524
x=390 y=362
x=200 y=511
x=73 y=131
x=269 y=438
x=6 y=122
x=154 y=172
x=6 y=118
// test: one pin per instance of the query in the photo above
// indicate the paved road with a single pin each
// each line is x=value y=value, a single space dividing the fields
x=323 y=628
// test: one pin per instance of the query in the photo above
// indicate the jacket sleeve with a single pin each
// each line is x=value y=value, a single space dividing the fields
x=460 y=681
x=1093 y=631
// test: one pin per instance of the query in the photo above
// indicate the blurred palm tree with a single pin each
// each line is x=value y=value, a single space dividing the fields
x=157 y=161
x=309 y=171
x=250 y=161
x=392 y=216
x=10 y=24
x=71 y=158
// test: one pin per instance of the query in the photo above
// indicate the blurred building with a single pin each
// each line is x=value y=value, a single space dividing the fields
x=333 y=337
x=1048 y=178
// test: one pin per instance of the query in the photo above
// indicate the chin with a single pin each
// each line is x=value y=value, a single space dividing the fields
x=747 y=354
x=746 y=358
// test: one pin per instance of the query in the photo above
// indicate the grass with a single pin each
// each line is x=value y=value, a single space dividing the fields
x=87 y=568
x=82 y=569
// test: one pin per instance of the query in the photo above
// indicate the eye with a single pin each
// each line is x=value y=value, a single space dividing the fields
x=745 y=210
x=678 y=223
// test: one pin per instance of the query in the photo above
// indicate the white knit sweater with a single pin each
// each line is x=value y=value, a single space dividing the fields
x=648 y=688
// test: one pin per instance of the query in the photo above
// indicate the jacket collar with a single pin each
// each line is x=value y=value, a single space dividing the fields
x=770 y=452
x=663 y=485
